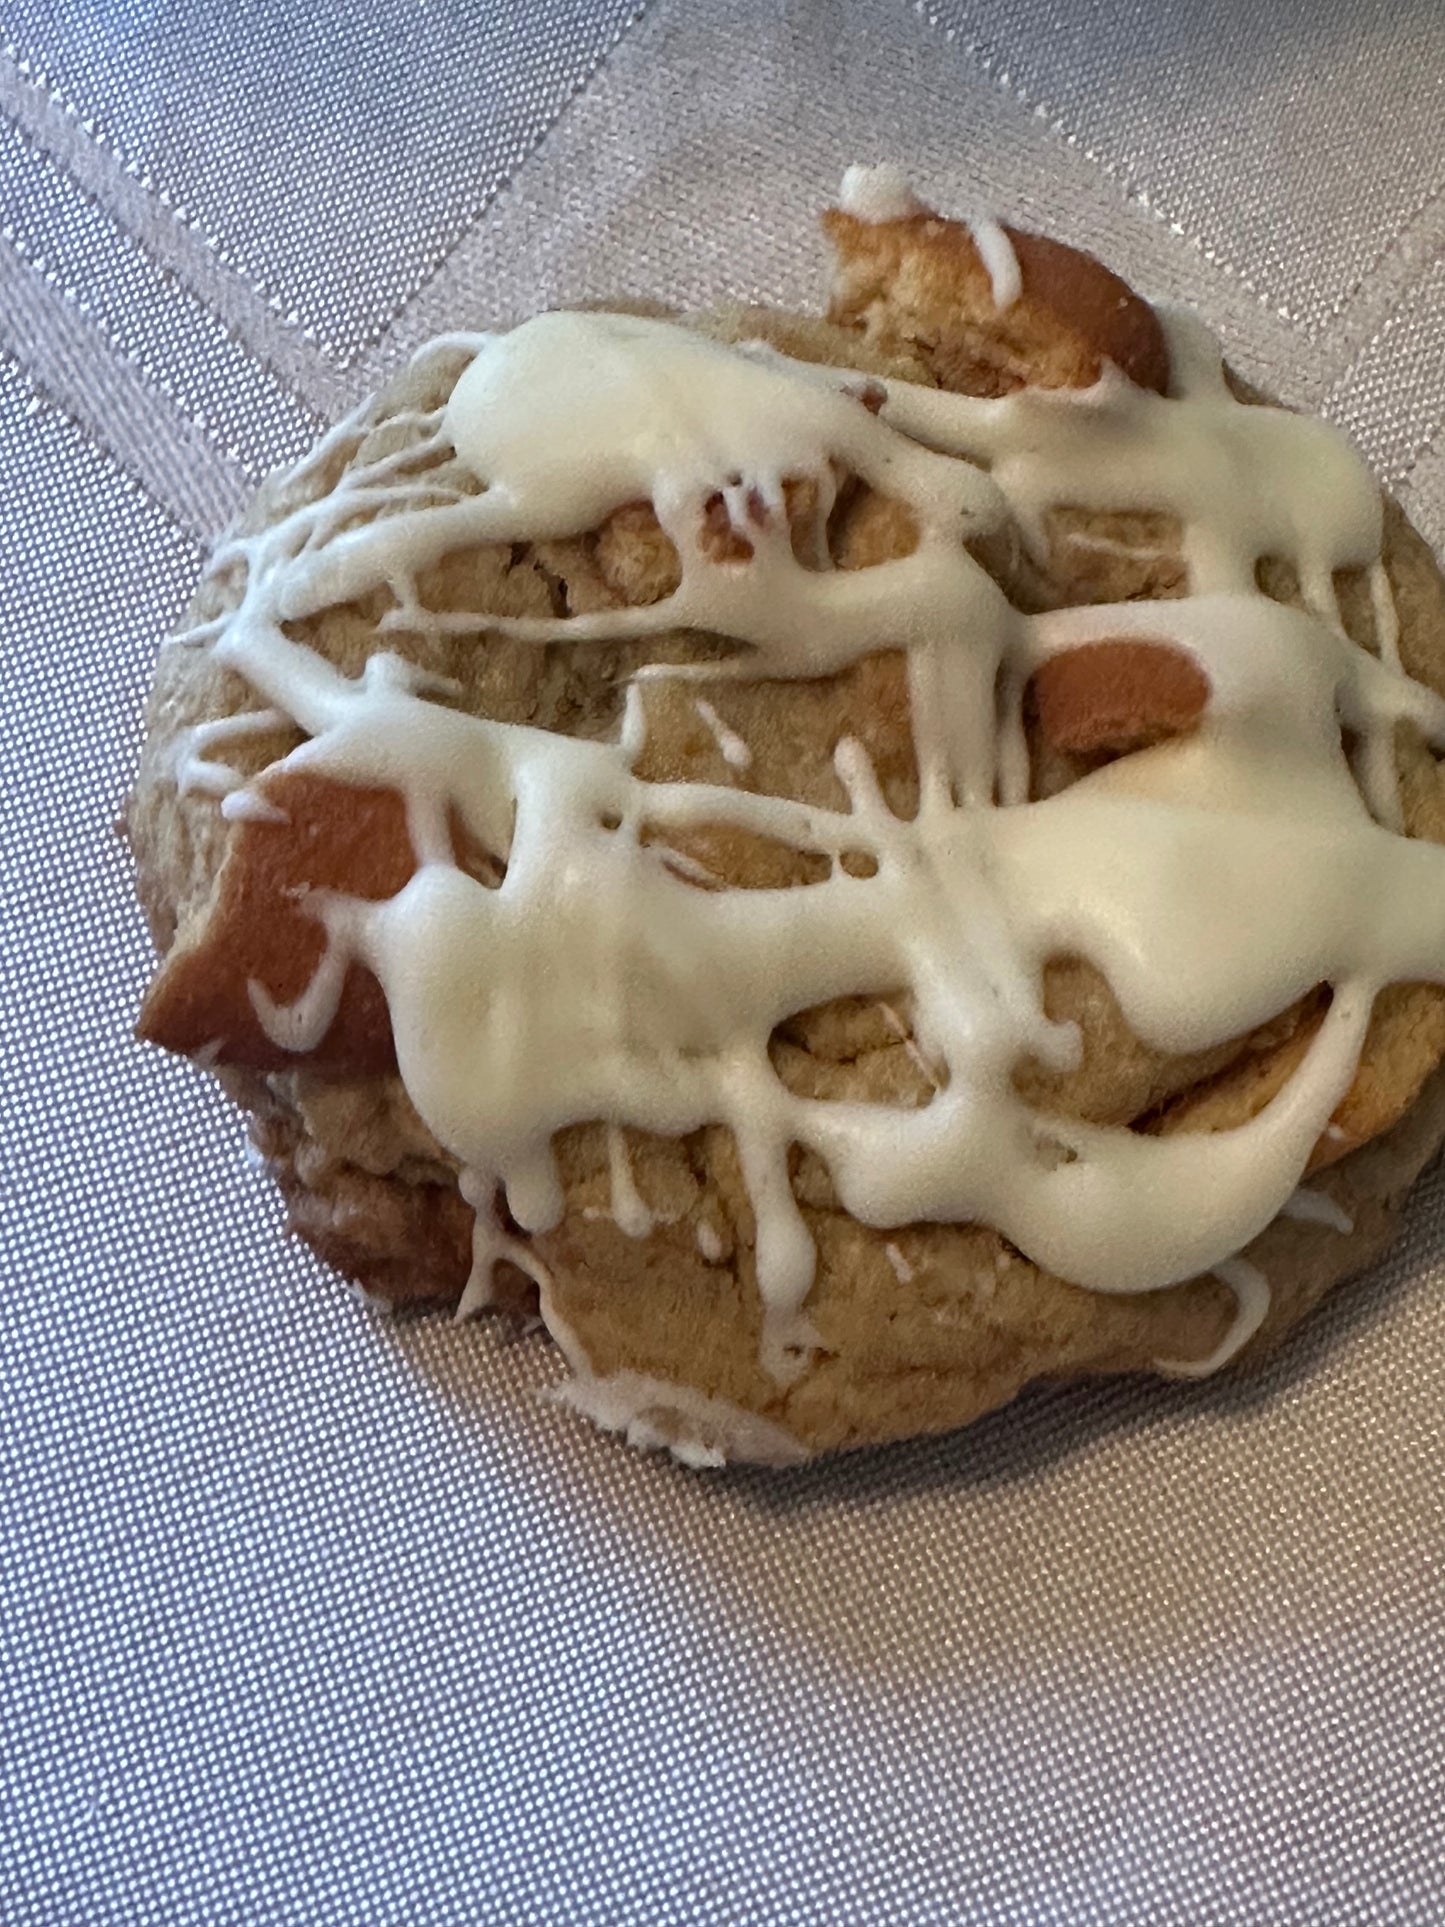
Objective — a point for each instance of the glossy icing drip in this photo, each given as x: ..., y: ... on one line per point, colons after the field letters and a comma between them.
x: 996, y: 251
x: 879, y: 193
x: 882, y: 193
x: 1212, y: 879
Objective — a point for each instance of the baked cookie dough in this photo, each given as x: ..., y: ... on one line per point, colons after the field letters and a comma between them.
x: 850, y: 864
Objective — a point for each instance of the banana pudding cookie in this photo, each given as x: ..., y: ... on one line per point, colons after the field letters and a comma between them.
x: 849, y: 864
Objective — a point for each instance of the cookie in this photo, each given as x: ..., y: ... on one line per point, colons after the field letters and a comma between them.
x: 849, y: 864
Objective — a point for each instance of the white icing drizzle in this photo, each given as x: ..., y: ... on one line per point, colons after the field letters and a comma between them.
x: 491, y: 1243
x: 1387, y: 620
x: 902, y: 1270
x: 1214, y: 879
x: 1241, y: 489
x: 1251, y: 1294
x: 879, y: 193
x: 653, y: 1414
x: 996, y: 252
x: 1109, y: 545
x: 629, y: 1212
x: 656, y: 1415
x: 910, y: 1046
x: 691, y: 871
x: 731, y: 747
x: 196, y: 771
x: 1308, y: 1206
x: 883, y: 193
x: 249, y: 806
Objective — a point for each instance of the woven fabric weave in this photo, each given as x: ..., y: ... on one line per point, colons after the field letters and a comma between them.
x: 311, y: 1616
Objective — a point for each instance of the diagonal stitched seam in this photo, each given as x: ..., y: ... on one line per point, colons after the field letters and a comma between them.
x: 34, y: 74
x: 125, y: 204
x: 134, y: 358
x: 43, y: 400
x: 1397, y: 319
x: 987, y: 62
x: 1427, y: 448
x: 73, y: 366
x: 430, y: 268
x: 1429, y: 250
x: 123, y: 237
x: 387, y: 331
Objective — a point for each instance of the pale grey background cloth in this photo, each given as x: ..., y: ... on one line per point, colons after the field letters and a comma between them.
x: 308, y: 1616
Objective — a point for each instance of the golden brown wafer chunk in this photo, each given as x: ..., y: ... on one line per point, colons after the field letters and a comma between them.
x: 920, y: 284
x: 260, y: 931
x: 1117, y: 696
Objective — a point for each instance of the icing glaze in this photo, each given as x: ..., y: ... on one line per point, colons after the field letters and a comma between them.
x: 996, y: 251
x: 1213, y: 879
x: 902, y: 1270
x: 654, y: 1414
x: 1317, y: 1207
x: 731, y: 747
x: 879, y: 193
x: 883, y: 193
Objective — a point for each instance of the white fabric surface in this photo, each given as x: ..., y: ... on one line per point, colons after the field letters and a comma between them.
x: 310, y: 1616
